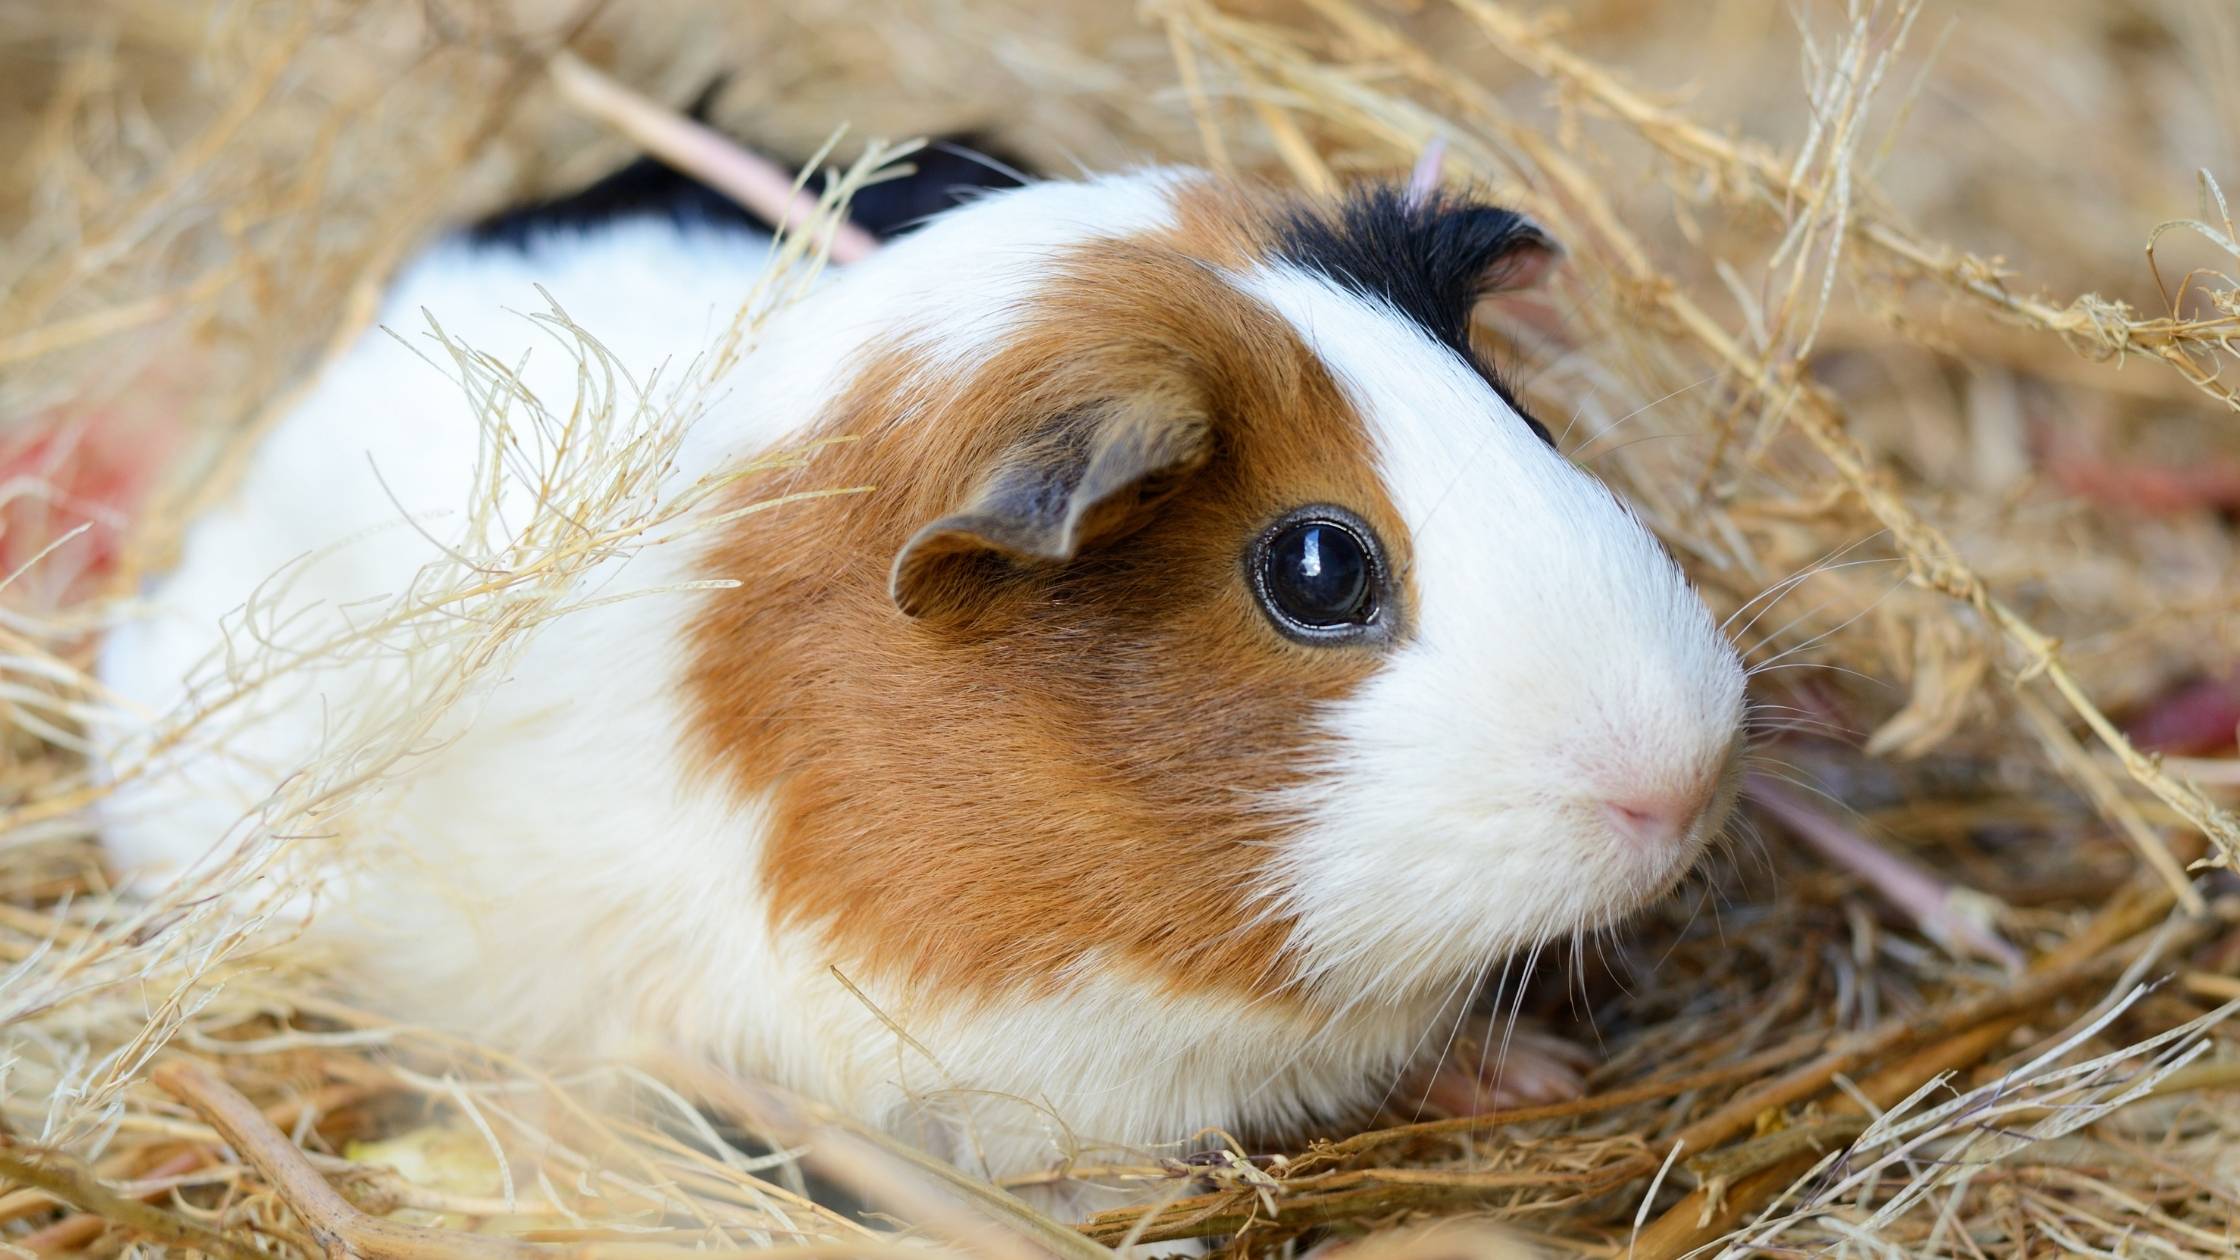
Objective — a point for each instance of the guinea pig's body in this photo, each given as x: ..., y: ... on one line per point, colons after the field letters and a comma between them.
x: 1220, y: 675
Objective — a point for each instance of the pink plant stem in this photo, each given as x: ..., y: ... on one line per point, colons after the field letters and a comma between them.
x: 755, y: 183
x: 1930, y: 902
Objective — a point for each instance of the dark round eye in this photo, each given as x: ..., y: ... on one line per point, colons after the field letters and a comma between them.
x: 1317, y: 574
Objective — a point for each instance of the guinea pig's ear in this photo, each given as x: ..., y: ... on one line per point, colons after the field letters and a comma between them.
x: 1526, y: 258
x: 1521, y: 253
x: 1089, y: 476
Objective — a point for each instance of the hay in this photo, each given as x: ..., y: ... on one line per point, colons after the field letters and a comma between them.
x: 1924, y: 364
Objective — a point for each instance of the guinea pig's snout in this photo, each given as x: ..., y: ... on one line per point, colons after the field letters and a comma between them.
x: 1659, y: 819
x: 1654, y: 811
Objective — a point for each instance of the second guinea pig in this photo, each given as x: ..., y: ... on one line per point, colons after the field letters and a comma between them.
x: 1220, y: 675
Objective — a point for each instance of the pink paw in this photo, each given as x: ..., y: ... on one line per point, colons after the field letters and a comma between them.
x: 1478, y: 1074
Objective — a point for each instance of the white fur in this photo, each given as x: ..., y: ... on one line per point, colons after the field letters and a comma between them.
x: 565, y: 883
x: 1558, y: 660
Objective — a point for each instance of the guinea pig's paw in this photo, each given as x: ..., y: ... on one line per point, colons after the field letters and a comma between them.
x: 1484, y: 1071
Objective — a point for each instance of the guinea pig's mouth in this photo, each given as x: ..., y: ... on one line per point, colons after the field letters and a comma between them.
x: 1659, y: 845
x: 1658, y: 812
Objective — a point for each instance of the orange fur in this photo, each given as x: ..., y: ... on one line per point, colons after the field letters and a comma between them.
x: 976, y: 804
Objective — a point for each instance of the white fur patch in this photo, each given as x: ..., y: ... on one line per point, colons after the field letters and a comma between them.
x: 956, y: 288
x: 1557, y: 659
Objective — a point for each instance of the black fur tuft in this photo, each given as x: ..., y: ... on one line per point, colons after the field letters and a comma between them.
x: 946, y: 171
x: 1431, y: 259
x: 646, y: 188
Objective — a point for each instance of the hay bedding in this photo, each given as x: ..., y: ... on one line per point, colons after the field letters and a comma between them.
x: 1856, y: 293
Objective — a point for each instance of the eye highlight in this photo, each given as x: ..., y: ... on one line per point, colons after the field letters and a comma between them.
x: 1319, y: 574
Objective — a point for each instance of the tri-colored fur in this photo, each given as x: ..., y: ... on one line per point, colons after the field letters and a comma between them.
x: 1068, y: 769
x: 1004, y: 753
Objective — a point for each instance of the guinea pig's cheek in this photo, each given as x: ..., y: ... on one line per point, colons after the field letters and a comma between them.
x: 1437, y: 835
x: 1410, y: 847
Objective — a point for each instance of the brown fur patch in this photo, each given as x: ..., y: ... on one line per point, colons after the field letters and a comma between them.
x: 1229, y: 222
x: 976, y: 806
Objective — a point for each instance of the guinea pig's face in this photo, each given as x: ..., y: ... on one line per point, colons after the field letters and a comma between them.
x: 1552, y: 731
x: 1219, y: 614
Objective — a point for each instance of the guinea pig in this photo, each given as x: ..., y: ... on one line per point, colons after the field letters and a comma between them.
x: 1220, y: 674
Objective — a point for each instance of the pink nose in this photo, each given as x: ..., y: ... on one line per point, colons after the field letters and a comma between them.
x: 1654, y: 820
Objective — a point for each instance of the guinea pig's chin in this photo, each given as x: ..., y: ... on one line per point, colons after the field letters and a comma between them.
x: 1654, y: 875
x: 1619, y: 878
x: 1399, y: 913
x: 1639, y: 876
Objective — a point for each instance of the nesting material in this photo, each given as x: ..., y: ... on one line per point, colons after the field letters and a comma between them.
x: 1913, y: 329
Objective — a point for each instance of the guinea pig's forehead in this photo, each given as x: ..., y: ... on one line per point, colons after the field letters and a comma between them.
x: 1424, y: 406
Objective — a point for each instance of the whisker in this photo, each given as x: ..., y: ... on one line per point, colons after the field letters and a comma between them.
x: 1468, y: 986
x: 1643, y: 409
x: 1516, y: 1010
x: 1486, y: 1056
x: 1798, y: 777
x: 1795, y: 726
x: 1836, y: 629
x: 1838, y: 669
x: 1460, y: 471
x: 1682, y: 934
x: 1825, y: 564
x: 1649, y: 437
x: 1585, y: 1009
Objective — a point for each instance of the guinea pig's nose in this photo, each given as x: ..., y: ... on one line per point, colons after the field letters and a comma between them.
x: 1656, y: 819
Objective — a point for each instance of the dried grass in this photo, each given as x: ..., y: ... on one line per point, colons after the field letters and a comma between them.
x: 1924, y: 363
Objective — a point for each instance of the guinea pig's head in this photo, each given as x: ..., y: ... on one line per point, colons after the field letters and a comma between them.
x: 1216, y: 613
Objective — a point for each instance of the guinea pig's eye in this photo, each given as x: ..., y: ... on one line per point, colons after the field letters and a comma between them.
x: 1319, y: 575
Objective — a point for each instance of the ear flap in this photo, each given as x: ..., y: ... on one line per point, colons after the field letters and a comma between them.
x: 1091, y: 475
x: 1520, y: 258
x: 1530, y: 255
